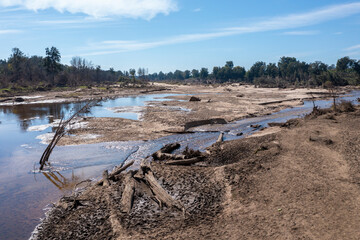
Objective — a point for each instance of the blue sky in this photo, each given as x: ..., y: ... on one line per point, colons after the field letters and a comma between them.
x: 182, y: 34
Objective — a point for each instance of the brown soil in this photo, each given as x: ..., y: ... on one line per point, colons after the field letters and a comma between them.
x: 158, y: 119
x: 300, y: 183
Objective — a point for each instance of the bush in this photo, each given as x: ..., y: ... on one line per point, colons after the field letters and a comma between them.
x: 345, y: 106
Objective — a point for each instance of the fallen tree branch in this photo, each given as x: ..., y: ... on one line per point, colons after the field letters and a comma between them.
x: 165, y: 151
x: 160, y: 193
x: 220, y: 138
x: 127, y: 197
x: 116, y: 172
x: 59, y: 133
x: 185, y: 161
x: 106, y: 181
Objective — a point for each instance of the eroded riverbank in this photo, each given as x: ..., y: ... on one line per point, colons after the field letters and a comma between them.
x: 300, y: 182
x: 77, y: 163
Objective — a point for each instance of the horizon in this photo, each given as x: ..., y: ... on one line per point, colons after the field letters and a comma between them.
x: 169, y: 35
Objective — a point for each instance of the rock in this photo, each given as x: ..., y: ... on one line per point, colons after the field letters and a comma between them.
x: 240, y: 95
x: 194, y: 99
x: 255, y: 126
x: 239, y: 134
x: 19, y: 99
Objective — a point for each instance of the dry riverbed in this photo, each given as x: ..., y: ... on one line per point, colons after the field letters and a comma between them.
x: 159, y: 118
x: 301, y: 182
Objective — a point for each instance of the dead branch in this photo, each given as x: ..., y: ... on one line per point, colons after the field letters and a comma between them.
x: 106, y: 178
x: 165, y: 151
x: 127, y: 197
x: 185, y: 161
x: 160, y: 193
x: 220, y: 138
x: 116, y: 172
x: 59, y: 133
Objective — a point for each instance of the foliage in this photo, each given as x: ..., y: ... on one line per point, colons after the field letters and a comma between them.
x: 20, y: 71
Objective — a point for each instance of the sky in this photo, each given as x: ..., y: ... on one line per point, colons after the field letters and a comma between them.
x: 166, y: 35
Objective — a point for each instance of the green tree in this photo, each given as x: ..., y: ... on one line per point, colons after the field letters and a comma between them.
x: 257, y: 70
x: 344, y: 63
x: 187, y: 74
x: 132, y: 73
x: 178, y: 75
x: 238, y: 73
x: 204, y: 73
x: 52, y: 62
x: 229, y: 64
x: 272, y: 70
x: 195, y: 73
x: 15, y: 63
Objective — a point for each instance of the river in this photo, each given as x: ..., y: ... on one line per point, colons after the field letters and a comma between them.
x: 25, y: 193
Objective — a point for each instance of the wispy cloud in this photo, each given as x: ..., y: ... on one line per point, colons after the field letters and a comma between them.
x: 146, y: 9
x: 9, y: 31
x: 301, y: 33
x: 352, y: 48
x: 197, y: 10
x: 72, y: 21
x: 292, y: 21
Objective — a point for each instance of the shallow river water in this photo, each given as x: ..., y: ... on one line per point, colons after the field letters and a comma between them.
x: 25, y: 193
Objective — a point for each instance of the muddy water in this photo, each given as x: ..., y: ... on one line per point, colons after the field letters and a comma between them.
x: 24, y: 193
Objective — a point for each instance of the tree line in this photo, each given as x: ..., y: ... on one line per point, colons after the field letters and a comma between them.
x: 21, y: 71
x: 287, y: 72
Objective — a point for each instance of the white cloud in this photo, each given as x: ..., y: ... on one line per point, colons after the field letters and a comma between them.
x: 353, y: 48
x: 72, y: 21
x: 9, y: 31
x: 146, y: 9
x: 305, y: 19
x: 301, y: 33
x: 197, y: 10
x: 292, y: 21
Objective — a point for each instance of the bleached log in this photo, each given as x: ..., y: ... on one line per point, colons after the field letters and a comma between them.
x: 167, y: 149
x: 116, y: 172
x: 163, y: 197
x: 127, y: 197
x: 185, y: 161
x: 220, y: 138
x: 106, y: 178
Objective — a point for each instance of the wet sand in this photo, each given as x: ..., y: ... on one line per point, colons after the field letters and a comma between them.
x: 301, y: 182
x: 158, y: 119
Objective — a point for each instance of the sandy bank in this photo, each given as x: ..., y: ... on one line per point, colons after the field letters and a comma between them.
x: 301, y: 182
x: 158, y: 119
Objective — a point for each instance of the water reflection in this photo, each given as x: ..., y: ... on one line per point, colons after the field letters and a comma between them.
x: 61, y: 182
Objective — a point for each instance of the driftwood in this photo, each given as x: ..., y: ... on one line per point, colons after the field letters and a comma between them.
x: 127, y: 197
x: 164, y: 156
x: 116, y: 172
x: 185, y: 161
x: 161, y: 195
x: 59, y: 133
x: 204, y: 122
x: 106, y: 178
x: 165, y: 151
x: 220, y: 138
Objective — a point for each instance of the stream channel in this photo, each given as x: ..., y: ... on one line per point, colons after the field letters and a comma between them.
x: 25, y: 193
